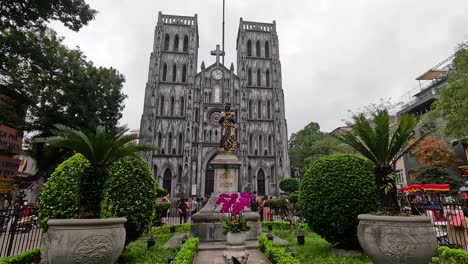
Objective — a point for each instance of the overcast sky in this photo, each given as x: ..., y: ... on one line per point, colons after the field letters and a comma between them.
x: 336, y: 55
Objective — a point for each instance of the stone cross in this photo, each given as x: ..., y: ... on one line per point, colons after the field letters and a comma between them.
x: 217, y: 53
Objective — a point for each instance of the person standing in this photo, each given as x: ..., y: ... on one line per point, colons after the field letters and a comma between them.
x: 194, y: 205
x: 182, y: 211
x: 266, y: 210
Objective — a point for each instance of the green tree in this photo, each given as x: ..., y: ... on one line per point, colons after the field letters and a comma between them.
x: 440, y: 176
x: 309, y: 144
x: 374, y: 139
x: 101, y: 149
x: 452, y: 104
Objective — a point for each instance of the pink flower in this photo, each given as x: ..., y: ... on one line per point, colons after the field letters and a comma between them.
x: 220, y: 200
x: 225, y: 208
x: 225, y: 195
x: 246, y: 195
x: 244, y: 201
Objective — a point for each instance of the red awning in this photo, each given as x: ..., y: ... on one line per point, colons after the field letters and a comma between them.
x: 425, y: 187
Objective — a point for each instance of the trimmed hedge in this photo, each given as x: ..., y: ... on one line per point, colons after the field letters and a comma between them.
x: 181, y: 228
x: 59, y: 195
x: 446, y: 255
x: 160, y: 212
x: 277, y: 203
x: 130, y: 192
x: 27, y: 257
x: 187, y: 251
x: 334, y: 191
x: 289, y: 185
x: 274, y: 252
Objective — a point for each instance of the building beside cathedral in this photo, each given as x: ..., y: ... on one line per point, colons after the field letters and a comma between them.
x: 182, y: 107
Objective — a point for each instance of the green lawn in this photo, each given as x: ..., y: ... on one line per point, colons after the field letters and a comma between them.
x: 316, y: 250
x: 137, y: 253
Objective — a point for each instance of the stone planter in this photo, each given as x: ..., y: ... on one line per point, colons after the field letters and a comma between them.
x: 235, y: 239
x: 397, y: 239
x: 83, y: 241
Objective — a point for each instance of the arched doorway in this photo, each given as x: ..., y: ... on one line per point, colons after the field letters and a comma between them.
x: 167, y: 180
x: 260, y: 182
x: 209, y: 178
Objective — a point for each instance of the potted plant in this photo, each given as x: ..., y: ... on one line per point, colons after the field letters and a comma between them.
x: 89, y: 238
x: 235, y: 224
x: 388, y: 237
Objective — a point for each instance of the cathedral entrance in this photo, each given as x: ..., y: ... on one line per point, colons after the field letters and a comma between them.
x: 209, y: 178
x: 167, y: 180
x: 261, y: 182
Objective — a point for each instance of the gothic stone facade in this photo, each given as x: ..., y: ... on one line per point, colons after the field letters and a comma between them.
x: 182, y: 107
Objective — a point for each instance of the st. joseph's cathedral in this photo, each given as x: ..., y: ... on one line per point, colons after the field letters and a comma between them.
x: 182, y: 107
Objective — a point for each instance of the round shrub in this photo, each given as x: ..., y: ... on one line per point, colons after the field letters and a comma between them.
x: 160, y: 212
x: 59, y: 195
x: 334, y: 191
x: 130, y: 192
x: 276, y: 204
x: 289, y: 185
x: 161, y: 192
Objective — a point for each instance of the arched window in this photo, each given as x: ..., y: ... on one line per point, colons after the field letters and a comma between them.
x: 270, y: 146
x: 166, y: 42
x: 249, y: 77
x: 181, y: 144
x: 272, y: 172
x: 167, y: 180
x: 267, y: 75
x: 250, y: 109
x: 169, y: 143
x: 185, y: 48
x: 184, y: 73
x: 174, y: 73
x: 261, y: 182
x: 196, y: 115
x: 268, y: 109
x: 172, y: 106
x: 249, y: 173
x: 259, y: 78
x: 164, y: 72
x: 161, y: 105
x: 211, y: 135
x: 176, y: 43
x: 217, y: 94
x: 259, y: 110
x: 267, y: 49
x: 159, y: 140
x: 182, y: 106
x: 257, y: 49
x: 260, y: 143
x: 249, y: 48
x: 250, y: 144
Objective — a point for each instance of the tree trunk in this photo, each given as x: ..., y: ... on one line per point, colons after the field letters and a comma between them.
x: 388, y: 202
x: 90, y: 194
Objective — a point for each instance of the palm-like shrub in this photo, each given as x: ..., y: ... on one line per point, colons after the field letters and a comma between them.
x: 101, y: 149
x: 383, y: 146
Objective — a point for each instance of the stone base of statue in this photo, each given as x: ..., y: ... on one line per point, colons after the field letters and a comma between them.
x: 206, y: 224
x: 235, y: 254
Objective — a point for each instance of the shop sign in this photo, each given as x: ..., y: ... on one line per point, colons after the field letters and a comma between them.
x: 9, y: 166
x: 463, y: 171
x: 6, y: 184
x: 10, y: 140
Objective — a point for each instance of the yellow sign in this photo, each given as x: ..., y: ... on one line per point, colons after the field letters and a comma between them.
x: 6, y: 184
x: 10, y: 140
x: 226, y: 176
x: 9, y: 166
x: 225, y: 184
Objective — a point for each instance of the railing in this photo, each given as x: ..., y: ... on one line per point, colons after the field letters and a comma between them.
x: 448, y: 219
x: 257, y: 26
x: 178, y: 20
x: 19, y: 231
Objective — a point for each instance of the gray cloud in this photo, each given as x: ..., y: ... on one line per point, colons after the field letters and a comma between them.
x: 336, y: 55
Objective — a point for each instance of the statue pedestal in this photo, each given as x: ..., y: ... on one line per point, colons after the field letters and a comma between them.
x: 206, y: 224
x: 235, y: 254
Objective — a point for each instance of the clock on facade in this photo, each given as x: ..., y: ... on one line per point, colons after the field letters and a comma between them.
x: 217, y: 74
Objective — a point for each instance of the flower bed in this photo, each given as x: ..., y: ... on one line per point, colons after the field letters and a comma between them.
x: 275, y: 253
x: 27, y: 257
x: 187, y: 252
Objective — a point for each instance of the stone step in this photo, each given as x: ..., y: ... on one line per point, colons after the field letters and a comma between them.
x: 216, y: 257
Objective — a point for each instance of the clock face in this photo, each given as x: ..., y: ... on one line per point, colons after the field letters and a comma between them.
x: 217, y: 74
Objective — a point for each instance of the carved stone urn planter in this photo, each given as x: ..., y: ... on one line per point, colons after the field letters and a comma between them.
x: 83, y: 241
x: 397, y: 239
x: 235, y: 239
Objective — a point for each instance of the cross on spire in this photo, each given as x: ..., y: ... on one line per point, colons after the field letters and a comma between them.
x: 217, y: 53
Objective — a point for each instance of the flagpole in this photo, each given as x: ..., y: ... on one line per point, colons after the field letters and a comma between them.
x: 223, y: 33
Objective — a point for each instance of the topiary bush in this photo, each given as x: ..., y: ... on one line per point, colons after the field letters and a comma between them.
x: 289, y: 185
x: 59, y: 195
x: 130, y: 192
x: 334, y: 191
x: 187, y: 252
x: 160, y: 212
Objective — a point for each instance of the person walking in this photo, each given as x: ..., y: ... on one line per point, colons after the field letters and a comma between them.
x: 182, y: 211
x: 266, y: 210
